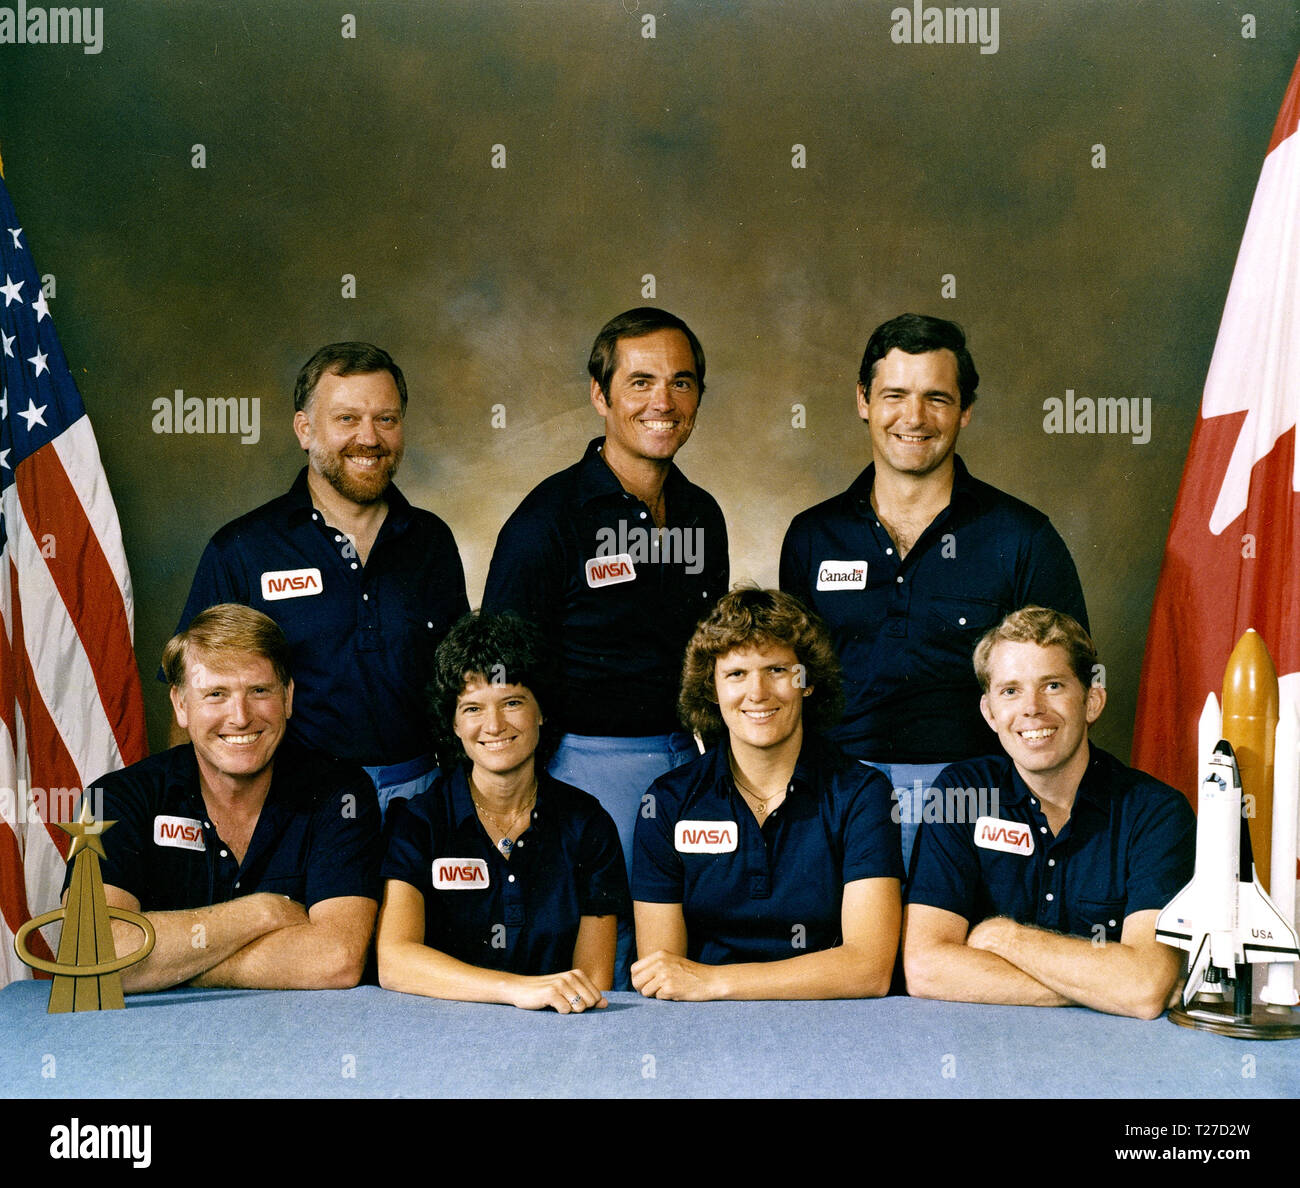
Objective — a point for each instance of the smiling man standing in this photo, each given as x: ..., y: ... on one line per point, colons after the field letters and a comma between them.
x: 364, y: 585
x: 916, y: 560
x: 617, y: 558
x: 256, y: 861
x: 1051, y: 897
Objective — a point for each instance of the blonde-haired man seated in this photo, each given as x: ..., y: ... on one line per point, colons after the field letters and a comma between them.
x: 257, y: 863
x: 1047, y: 894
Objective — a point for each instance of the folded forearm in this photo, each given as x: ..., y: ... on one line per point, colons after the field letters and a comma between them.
x: 300, y: 957
x: 188, y: 943
x: 959, y: 973
x: 1112, y: 977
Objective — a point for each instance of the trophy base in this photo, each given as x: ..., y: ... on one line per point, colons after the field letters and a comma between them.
x: 1263, y: 1022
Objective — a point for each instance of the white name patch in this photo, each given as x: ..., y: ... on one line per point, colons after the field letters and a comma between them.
x: 993, y: 833
x: 290, y: 583
x: 842, y: 575
x: 705, y: 837
x: 460, y: 874
x: 184, y: 833
x: 609, y: 571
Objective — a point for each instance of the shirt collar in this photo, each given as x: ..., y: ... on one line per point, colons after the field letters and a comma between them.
x: 964, y: 487
x: 300, y: 506
x: 597, y: 481
x: 465, y: 815
x: 1093, y: 790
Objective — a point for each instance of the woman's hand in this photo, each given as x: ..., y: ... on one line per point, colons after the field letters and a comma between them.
x: 570, y: 993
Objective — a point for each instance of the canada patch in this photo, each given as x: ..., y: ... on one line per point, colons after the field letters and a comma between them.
x: 842, y: 575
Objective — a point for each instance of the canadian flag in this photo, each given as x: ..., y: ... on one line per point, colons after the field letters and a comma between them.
x: 1232, y: 560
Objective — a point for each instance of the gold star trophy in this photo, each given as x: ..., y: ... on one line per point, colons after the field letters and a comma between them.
x: 87, y: 973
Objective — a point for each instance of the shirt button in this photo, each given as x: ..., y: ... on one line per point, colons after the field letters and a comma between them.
x: 365, y: 597
x: 207, y: 824
x: 510, y: 879
x: 224, y: 854
x: 236, y: 886
x: 643, y: 515
x: 429, y: 624
x: 889, y: 552
x: 1050, y: 897
x: 899, y: 579
x: 1111, y: 923
x: 519, y: 845
x: 354, y: 565
x: 314, y: 516
x: 338, y: 538
x: 1051, y: 862
x: 962, y: 621
x: 1042, y: 829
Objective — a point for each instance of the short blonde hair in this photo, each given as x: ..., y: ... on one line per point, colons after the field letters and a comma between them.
x: 1046, y: 628
x: 229, y: 628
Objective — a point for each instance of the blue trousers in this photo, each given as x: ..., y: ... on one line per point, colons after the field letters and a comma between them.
x: 617, y: 772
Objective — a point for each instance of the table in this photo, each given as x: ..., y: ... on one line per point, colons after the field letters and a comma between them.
x: 374, y: 1043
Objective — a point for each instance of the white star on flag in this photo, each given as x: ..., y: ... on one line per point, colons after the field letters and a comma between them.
x: 33, y: 415
x: 8, y: 343
x: 10, y: 290
x: 42, y: 310
x: 38, y: 361
x: 4, y: 459
x: 16, y: 232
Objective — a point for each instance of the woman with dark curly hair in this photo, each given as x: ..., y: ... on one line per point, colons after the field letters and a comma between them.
x: 501, y: 884
x: 771, y: 866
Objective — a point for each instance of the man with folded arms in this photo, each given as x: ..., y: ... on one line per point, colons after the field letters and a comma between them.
x: 1050, y: 898
x: 255, y: 860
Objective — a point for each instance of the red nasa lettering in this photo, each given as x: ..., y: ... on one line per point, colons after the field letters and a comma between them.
x: 461, y: 874
x: 179, y: 831
x: 610, y: 569
x: 1008, y: 834
x: 705, y: 837
x: 279, y: 585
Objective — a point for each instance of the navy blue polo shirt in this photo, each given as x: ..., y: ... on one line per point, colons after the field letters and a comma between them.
x: 581, y: 558
x: 317, y: 837
x: 762, y: 893
x: 522, y: 915
x: 1129, y: 846
x: 905, y: 630
x: 363, y: 637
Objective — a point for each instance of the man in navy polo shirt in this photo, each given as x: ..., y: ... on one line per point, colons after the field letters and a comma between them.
x: 256, y: 861
x: 617, y: 558
x: 364, y: 585
x: 916, y: 560
x: 1045, y: 891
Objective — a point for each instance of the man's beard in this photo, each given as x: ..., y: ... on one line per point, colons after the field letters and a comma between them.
x: 359, y: 488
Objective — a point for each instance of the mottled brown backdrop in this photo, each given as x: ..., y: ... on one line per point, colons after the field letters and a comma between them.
x: 625, y: 155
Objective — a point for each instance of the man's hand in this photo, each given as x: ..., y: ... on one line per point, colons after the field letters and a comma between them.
x: 668, y: 975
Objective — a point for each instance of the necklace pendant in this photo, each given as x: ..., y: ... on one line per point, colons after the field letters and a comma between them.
x: 505, y: 845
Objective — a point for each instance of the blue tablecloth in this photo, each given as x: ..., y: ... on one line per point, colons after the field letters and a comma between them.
x: 372, y: 1043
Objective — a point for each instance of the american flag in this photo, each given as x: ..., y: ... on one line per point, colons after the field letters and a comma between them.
x: 70, y: 703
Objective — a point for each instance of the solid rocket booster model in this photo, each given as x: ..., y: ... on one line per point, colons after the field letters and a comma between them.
x: 1223, y: 917
x: 1250, y: 718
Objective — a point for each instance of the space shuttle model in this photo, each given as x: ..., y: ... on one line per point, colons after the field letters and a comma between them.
x: 1224, y: 917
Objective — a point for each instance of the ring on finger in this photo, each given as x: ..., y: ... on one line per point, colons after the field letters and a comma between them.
x: 575, y: 1002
